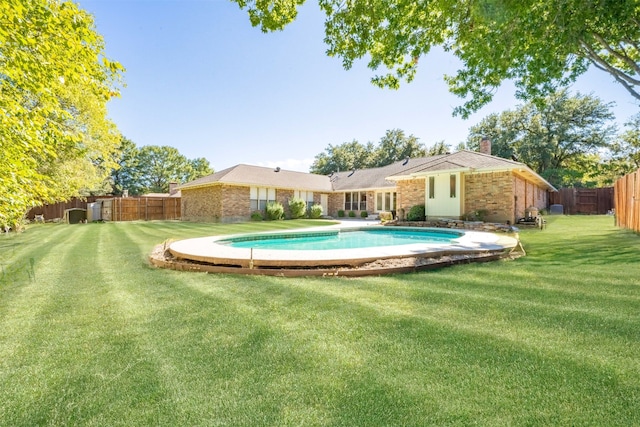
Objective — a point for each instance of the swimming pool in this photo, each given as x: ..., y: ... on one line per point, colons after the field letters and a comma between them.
x: 419, y: 243
x: 345, y: 239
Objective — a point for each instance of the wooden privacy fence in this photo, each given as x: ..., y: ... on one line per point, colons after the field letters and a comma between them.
x: 628, y: 201
x: 56, y: 210
x: 142, y: 208
x: 117, y: 208
x: 591, y: 201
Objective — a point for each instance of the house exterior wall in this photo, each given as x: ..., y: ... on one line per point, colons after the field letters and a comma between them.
x: 283, y: 197
x: 505, y: 196
x: 202, y: 204
x: 236, y: 204
x: 491, y: 192
x: 219, y: 203
x: 336, y: 203
x: 229, y: 203
x: 528, y: 195
x: 409, y: 193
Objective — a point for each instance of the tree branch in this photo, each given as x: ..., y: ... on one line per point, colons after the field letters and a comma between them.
x: 597, y: 59
x: 623, y: 57
x: 626, y: 85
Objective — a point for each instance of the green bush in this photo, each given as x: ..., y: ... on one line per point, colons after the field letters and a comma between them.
x: 340, y: 213
x: 416, y: 213
x: 352, y: 214
x: 257, y: 216
x: 297, y: 207
x: 315, y: 212
x: 364, y: 214
x: 275, y: 211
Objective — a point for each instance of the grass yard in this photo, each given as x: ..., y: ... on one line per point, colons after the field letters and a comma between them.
x: 91, y: 335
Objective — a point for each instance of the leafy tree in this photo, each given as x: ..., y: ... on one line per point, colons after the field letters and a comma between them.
x: 126, y: 176
x: 395, y: 146
x: 624, y: 156
x: 158, y: 166
x: 561, y: 140
x: 198, y: 167
x: 438, y: 148
x: 55, y: 139
x: 346, y: 156
x: 538, y: 44
x: 150, y: 169
x: 392, y: 147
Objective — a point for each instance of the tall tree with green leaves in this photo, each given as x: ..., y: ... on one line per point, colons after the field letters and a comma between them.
x: 540, y: 45
x: 198, y: 167
x: 624, y: 155
x: 158, y: 166
x: 55, y: 81
x: 561, y: 139
x: 126, y: 175
x: 345, y: 156
x: 438, y: 148
x: 392, y: 147
x: 395, y: 146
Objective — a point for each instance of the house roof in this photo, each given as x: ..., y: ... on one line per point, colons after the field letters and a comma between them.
x: 248, y: 175
x: 366, y: 179
x: 361, y: 179
x: 471, y: 161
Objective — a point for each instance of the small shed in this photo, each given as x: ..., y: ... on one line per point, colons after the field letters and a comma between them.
x: 75, y: 215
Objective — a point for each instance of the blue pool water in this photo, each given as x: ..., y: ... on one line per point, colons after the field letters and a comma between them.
x: 345, y: 239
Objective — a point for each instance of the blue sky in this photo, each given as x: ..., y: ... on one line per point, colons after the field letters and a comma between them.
x: 201, y: 79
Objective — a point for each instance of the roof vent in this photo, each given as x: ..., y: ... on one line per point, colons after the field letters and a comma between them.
x: 277, y: 169
x: 406, y: 160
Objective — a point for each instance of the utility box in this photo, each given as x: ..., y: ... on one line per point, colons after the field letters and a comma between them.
x: 556, y: 210
x: 94, y: 211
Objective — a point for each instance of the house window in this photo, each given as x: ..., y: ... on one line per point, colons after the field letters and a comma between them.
x: 432, y: 187
x: 355, y: 200
x: 260, y: 196
x: 307, y: 196
x: 385, y: 201
x: 452, y: 186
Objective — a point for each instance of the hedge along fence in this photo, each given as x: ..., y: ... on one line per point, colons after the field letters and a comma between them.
x: 627, y: 201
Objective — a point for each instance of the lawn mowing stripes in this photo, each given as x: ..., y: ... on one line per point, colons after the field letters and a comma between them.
x: 548, y: 339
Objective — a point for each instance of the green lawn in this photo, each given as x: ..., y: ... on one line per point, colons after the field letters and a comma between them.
x: 91, y: 335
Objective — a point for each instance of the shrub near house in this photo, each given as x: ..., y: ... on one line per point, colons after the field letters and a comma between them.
x: 297, y: 207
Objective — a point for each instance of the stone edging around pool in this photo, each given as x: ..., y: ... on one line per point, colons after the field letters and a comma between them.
x: 202, y: 254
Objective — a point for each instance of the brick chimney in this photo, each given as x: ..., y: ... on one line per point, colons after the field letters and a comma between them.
x: 172, y: 188
x: 485, y: 145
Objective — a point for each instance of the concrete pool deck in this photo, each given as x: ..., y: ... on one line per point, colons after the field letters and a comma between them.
x: 206, y: 250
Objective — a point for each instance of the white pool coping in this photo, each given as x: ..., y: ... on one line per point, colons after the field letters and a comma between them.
x: 205, y: 249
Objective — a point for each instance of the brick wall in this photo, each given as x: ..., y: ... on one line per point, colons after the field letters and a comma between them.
x: 202, y: 204
x: 236, y: 205
x: 283, y: 197
x: 410, y: 192
x: 492, y: 192
x: 336, y: 202
x: 528, y: 195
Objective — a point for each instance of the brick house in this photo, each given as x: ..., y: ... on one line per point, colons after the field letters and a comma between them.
x: 234, y: 193
x: 449, y: 185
